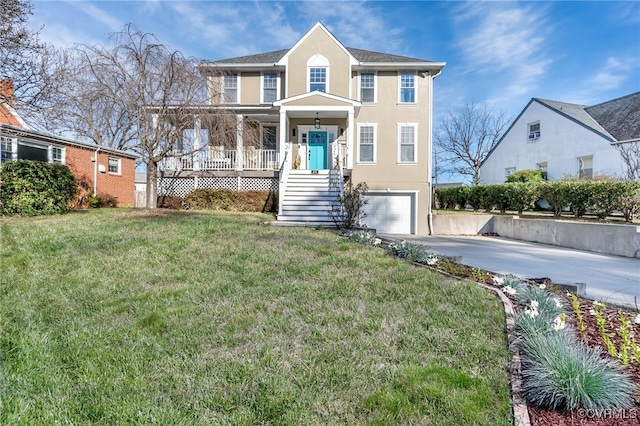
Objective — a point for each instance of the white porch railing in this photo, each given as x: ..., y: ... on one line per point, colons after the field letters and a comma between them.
x: 252, y: 159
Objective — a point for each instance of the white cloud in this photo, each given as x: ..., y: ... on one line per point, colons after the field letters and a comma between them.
x: 507, y: 40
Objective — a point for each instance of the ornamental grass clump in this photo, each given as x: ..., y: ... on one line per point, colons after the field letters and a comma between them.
x: 561, y: 373
x: 413, y: 252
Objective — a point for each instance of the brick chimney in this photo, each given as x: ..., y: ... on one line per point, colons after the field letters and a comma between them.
x: 6, y: 91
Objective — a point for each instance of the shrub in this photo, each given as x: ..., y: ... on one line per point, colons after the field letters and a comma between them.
x: 560, y: 372
x: 226, y: 199
x: 452, y: 197
x: 170, y: 202
x: 413, y: 252
x: 521, y: 196
x: 526, y: 176
x: 31, y: 188
x: 346, y: 210
x: 629, y: 201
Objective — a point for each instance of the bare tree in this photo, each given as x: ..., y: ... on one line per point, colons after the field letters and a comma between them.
x: 136, y: 94
x: 26, y: 62
x: 465, y: 138
x: 630, y: 154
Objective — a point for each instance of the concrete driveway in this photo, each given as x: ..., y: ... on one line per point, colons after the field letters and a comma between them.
x: 611, y: 279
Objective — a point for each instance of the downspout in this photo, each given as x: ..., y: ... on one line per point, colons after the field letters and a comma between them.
x: 430, y: 154
x: 95, y: 172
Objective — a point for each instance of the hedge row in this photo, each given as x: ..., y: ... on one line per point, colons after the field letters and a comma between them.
x: 599, y: 198
x: 223, y: 199
x: 32, y: 188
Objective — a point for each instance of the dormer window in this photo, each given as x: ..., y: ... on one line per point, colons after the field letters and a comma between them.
x: 318, y: 76
x: 534, y: 131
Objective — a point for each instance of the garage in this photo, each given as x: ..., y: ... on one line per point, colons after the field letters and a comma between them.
x: 391, y: 212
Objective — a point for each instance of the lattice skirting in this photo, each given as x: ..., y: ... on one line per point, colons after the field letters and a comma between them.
x: 183, y: 185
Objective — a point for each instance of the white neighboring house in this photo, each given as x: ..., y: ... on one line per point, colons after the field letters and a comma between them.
x: 563, y: 139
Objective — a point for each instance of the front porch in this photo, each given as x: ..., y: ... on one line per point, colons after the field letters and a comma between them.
x: 212, y: 159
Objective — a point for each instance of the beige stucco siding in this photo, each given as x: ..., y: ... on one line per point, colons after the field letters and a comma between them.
x: 339, y: 70
x: 250, y: 88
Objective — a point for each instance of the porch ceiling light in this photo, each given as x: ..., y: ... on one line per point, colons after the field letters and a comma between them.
x: 317, y: 121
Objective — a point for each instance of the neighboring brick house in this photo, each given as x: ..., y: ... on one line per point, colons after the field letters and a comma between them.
x: 310, y: 117
x: 108, y: 172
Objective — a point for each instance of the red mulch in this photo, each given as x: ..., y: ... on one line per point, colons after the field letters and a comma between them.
x: 539, y: 417
x: 592, y: 337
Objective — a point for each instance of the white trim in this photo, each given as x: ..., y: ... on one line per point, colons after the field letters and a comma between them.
x: 285, y: 59
x: 395, y: 192
x: 399, y: 143
x: 223, y: 98
x: 375, y: 87
x: 320, y: 59
x: 262, y: 74
x: 119, y: 171
x: 415, y: 87
x: 375, y: 143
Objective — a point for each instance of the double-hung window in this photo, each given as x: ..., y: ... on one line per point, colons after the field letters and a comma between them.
x: 407, y: 135
x: 318, y: 79
x: 57, y: 155
x: 366, y: 143
x: 269, y: 88
x: 6, y: 149
x: 534, y: 131
x: 407, y: 83
x: 585, y: 167
x: 114, y: 165
x: 230, y: 89
x: 367, y: 88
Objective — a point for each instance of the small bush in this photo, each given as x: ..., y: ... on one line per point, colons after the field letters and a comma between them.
x: 346, y: 210
x: 31, y: 188
x: 226, y: 199
x: 560, y: 372
x: 170, y: 202
x: 526, y: 176
x: 413, y: 252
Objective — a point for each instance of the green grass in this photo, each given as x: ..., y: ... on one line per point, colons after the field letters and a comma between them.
x: 126, y: 317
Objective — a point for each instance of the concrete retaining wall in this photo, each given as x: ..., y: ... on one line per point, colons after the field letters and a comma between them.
x: 620, y: 240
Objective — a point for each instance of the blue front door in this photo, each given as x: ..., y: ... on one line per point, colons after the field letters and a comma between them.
x: 317, y: 150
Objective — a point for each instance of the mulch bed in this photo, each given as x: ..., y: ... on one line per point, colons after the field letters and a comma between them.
x: 540, y: 417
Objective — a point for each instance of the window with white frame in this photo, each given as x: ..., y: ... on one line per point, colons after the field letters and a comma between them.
x: 318, y: 79
x: 534, y: 131
x: 29, y: 150
x: 508, y: 171
x: 114, y: 165
x: 368, y: 88
x: 6, y: 149
x: 367, y: 143
x: 585, y: 167
x: 407, y: 134
x: 230, y: 88
x: 407, y: 84
x: 57, y: 154
x: 269, y: 88
x: 543, y: 169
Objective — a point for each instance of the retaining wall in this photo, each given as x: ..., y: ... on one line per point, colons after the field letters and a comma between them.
x: 620, y: 240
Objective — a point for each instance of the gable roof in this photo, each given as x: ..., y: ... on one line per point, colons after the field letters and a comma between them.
x: 620, y: 117
x: 576, y: 113
x: 276, y: 57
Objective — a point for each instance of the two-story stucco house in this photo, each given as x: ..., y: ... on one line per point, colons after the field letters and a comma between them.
x: 566, y: 140
x: 312, y: 116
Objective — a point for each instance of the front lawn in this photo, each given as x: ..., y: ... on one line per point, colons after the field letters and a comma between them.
x: 131, y: 317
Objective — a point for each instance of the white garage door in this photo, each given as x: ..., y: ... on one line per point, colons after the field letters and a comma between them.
x: 390, y: 213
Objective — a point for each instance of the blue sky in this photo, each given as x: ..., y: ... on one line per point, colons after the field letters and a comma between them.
x: 501, y: 53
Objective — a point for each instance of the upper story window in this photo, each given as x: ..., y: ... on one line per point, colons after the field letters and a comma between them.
x: 269, y: 88
x: 585, y: 167
x: 407, y: 86
x: 368, y: 88
x: 114, y: 165
x: 407, y: 134
x: 318, y: 73
x: 534, y: 131
x: 317, y: 79
x: 366, y: 143
x: 6, y: 149
x: 230, y: 89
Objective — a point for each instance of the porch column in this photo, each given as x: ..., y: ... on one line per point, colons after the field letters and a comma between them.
x: 350, y: 138
x: 282, y: 138
x: 197, y: 144
x: 239, y: 142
